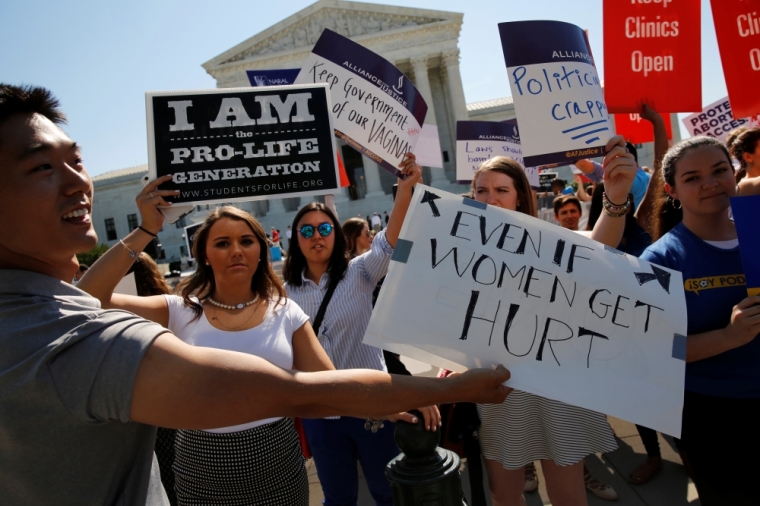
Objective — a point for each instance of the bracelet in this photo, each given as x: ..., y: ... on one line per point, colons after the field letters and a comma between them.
x: 373, y: 425
x: 132, y: 254
x: 615, y: 210
x: 146, y: 231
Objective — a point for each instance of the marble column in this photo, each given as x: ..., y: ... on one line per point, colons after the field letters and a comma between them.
x: 341, y: 195
x: 372, y: 177
x: 420, y: 65
x: 422, y: 82
x: 454, y: 84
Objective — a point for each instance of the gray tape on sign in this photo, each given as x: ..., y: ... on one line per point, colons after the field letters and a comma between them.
x: 474, y: 203
x: 402, y: 251
x: 613, y: 250
x: 679, y: 347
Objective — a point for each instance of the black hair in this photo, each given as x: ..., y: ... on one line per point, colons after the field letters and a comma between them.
x: 295, y: 262
x: 29, y: 100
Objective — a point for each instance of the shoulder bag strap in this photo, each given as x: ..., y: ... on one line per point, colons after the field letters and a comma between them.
x: 323, y: 307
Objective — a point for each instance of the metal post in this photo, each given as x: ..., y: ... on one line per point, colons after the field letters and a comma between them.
x: 424, y: 474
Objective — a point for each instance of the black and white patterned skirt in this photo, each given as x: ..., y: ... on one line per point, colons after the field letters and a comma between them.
x: 262, y: 466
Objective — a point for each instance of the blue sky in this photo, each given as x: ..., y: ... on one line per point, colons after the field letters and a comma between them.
x: 100, y: 56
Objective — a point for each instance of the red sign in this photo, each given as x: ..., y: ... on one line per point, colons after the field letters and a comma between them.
x: 637, y: 130
x: 652, y: 54
x: 737, y: 25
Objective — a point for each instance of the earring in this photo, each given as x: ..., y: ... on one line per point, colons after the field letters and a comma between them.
x: 207, y: 263
x: 672, y: 203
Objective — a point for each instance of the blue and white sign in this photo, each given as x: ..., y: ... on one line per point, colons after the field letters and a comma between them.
x: 478, y: 141
x: 557, y: 93
x: 279, y: 77
x: 376, y: 108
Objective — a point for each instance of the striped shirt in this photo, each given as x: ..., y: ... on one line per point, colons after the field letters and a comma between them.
x: 350, y: 308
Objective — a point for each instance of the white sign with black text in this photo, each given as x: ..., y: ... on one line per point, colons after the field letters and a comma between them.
x: 472, y: 285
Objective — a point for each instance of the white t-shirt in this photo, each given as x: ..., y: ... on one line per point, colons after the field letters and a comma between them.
x: 271, y: 340
x: 376, y: 220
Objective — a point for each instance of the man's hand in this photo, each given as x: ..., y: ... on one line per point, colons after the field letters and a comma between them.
x: 482, y: 386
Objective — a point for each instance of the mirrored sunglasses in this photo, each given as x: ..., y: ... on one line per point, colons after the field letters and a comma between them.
x: 324, y: 229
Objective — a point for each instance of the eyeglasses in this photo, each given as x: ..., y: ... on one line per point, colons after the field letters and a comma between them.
x: 324, y: 229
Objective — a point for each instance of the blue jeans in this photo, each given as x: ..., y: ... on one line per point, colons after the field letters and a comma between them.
x: 337, y: 444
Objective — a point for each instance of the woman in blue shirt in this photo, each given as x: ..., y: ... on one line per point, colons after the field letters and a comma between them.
x: 722, y: 394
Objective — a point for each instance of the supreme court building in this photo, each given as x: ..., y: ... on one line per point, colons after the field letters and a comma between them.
x: 422, y: 43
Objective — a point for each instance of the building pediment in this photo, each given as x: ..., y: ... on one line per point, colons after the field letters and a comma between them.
x: 359, y: 21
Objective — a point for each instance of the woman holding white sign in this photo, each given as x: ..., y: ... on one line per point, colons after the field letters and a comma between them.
x: 526, y: 427
x: 722, y: 351
x: 234, y: 301
x: 336, y: 292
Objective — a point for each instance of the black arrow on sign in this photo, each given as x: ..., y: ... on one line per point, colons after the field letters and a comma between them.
x: 662, y: 277
x: 429, y: 198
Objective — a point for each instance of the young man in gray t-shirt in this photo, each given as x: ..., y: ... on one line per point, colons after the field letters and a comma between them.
x: 82, y: 389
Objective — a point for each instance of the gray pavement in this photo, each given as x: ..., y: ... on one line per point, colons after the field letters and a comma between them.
x: 671, y: 487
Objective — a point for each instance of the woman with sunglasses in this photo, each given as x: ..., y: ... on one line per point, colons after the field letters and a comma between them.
x: 318, y: 262
x: 527, y: 427
x: 233, y: 301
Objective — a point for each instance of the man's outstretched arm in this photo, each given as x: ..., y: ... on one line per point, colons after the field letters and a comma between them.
x: 187, y: 387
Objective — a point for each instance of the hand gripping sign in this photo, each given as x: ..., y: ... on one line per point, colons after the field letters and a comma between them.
x: 472, y: 285
x: 557, y: 94
x: 479, y: 141
x: 376, y: 108
x: 239, y: 144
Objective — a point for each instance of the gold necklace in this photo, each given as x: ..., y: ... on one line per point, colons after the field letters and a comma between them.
x: 234, y: 328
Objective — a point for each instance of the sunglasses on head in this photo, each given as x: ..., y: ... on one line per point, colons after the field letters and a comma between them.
x: 324, y: 229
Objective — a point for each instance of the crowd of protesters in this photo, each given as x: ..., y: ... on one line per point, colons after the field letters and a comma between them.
x: 86, y: 374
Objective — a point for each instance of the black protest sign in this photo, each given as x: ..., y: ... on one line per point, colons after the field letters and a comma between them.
x: 242, y: 143
x: 545, y: 180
